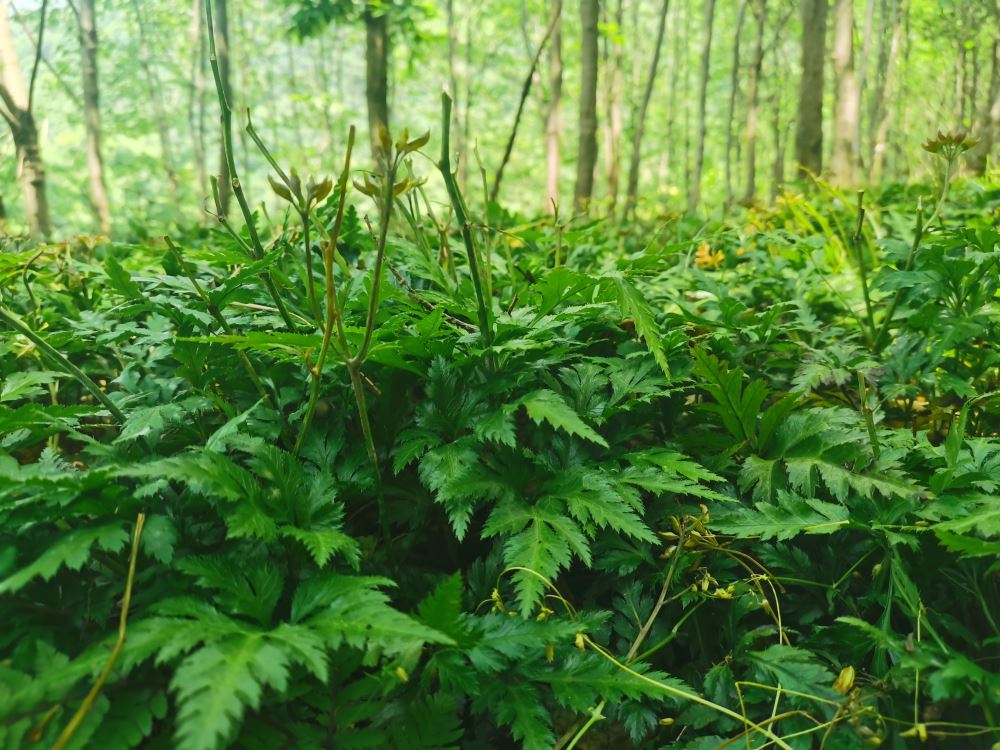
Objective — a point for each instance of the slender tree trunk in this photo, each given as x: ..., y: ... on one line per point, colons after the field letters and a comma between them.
x: 196, y: 99
x: 753, y: 96
x: 376, y: 74
x: 694, y: 196
x: 734, y: 85
x: 222, y: 55
x: 92, y: 115
x: 809, y: 123
x: 16, y: 109
x: 156, y: 98
x: 615, y: 77
x: 989, y: 117
x: 587, y: 146
x: 882, y: 100
x: 843, y: 163
x: 640, y: 118
x: 553, y: 119
x: 867, y: 38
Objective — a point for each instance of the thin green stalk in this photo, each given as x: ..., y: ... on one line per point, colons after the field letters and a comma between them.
x: 332, y: 305
x: 226, y: 116
x: 595, y: 716
x: 383, y: 235
x: 60, y: 360
x: 862, y: 268
x: 310, y: 284
x: 917, y: 236
x: 95, y: 690
x: 366, y: 432
x: 463, y: 219
x: 869, y: 417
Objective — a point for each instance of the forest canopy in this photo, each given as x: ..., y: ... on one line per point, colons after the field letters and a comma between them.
x: 723, y: 99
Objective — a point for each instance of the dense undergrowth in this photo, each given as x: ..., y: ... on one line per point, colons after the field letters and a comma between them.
x: 671, y: 485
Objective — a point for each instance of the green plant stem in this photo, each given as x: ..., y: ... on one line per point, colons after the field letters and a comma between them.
x: 95, y: 690
x: 226, y: 117
x: 60, y: 360
x: 366, y: 432
x: 869, y: 417
x: 310, y: 285
x: 333, y: 317
x: 910, y: 258
x: 444, y: 165
x: 856, y: 240
x: 595, y: 716
x: 383, y: 235
x: 660, y: 601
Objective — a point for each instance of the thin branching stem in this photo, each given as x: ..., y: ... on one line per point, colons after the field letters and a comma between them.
x: 458, y: 205
x: 95, y: 690
x: 333, y: 316
x: 226, y: 117
x: 62, y: 362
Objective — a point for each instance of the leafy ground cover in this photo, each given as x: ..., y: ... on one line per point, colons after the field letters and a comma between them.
x: 315, y: 480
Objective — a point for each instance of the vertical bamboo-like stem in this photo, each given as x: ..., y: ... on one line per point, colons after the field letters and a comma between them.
x: 333, y: 318
x: 862, y: 267
x: 226, y: 117
x: 458, y: 205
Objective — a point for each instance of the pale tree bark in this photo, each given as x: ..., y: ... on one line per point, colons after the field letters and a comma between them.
x: 16, y: 102
x: 553, y: 115
x: 640, y: 116
x: 694, y: 195
x: 156, y: 98
x: 196, y: 97
x: 376, y: 73
x: 87, y: 23
x: 988, y: 126
x: 753, y: 98
x: 881, y: 120
x: 222, y: 56
x: 734, y: 86
x: 867, y: 39
x: 587, y: 145
x: 809, y: 122
x: 615, y: 77
x: 843, y: 161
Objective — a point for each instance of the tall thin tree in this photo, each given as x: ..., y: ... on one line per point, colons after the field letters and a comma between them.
x: 98, y: 192
x: 586, y: 157
x: 694, y: 195
x: 988, y: 126
x: 753, y: 97
x: 809, y: 120
x: 553, y: 114
x: 734, y: 85
x: 156, y: 97
x: 638, y: 126
x: 615, y: 77
x: 843, y: 156
x: 16, y: 107
x: 882, y: 99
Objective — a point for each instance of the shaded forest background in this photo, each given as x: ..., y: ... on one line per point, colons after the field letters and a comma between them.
x: 669, y: 106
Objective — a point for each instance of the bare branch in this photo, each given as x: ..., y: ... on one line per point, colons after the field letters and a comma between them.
x: 38, y: 53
